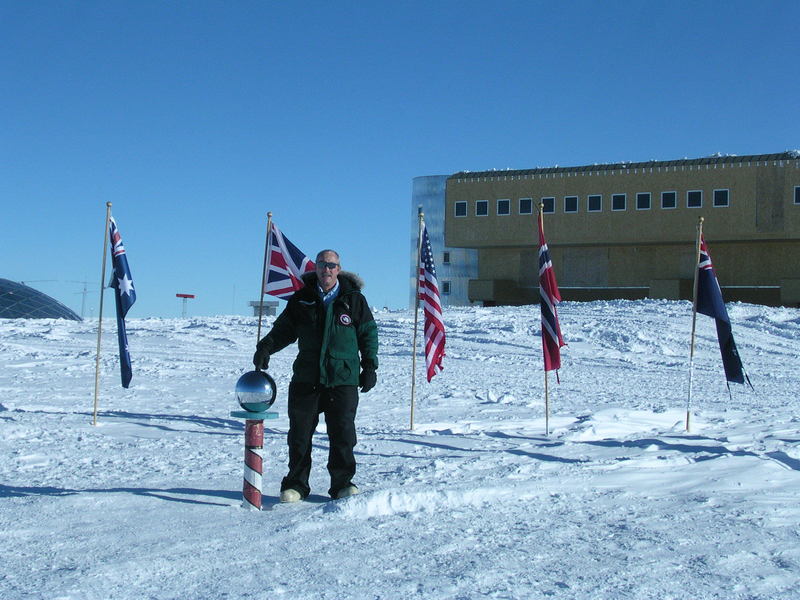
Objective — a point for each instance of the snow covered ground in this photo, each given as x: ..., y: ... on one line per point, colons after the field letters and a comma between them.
x: 617, y: 502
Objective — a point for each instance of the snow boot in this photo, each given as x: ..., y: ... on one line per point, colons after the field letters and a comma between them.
x: 290, y: 495
x: 350, y: 490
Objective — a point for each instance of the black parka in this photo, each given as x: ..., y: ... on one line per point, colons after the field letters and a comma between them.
x: 329, y: 339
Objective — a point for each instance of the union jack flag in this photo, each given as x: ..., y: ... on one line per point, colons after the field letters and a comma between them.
x: 711, y: 304
x: 549, y: 298
x: 285, y: 267
x: 432, y: 307
x: 125, y: 296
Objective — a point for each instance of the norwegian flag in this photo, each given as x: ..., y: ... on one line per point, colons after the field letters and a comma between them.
x: 432, y: 307
x: 124, y: 295
x: 285, y: 267
x: 550, y: 297
x: 710, y: 303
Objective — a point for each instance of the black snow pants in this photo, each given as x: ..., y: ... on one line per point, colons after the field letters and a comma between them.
x: 306, y: 402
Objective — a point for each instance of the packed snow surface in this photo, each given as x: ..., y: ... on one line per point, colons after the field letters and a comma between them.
x: 476, y: 501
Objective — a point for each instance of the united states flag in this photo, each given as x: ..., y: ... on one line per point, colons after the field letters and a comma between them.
x: 550, y: 297
x: 710, y: 303
x: 125, y: 296
x: 285, y: 266
x: 432, y: 307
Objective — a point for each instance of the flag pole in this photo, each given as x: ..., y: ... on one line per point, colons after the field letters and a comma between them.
x: 694, y: 316
x: 264, y: 275
x: 546, y: 407
x: 546, y: 389
x: 100, y: 317
x: 421, y: 217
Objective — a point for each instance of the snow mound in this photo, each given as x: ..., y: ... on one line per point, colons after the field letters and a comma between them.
x: 392, y: 502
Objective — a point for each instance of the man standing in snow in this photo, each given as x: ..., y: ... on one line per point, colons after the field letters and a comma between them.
x: 332, y: 324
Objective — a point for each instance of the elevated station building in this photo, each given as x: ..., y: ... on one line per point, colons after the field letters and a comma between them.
x: 627, y: 230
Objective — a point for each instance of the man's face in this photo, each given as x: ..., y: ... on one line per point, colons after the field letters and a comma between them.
x: 326, y: 273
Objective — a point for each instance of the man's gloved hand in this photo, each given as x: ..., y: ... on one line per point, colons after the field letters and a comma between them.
x: 261, y: 357
x: 368, y: 377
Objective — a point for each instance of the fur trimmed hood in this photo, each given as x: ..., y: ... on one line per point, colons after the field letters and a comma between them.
x: 347, y: 281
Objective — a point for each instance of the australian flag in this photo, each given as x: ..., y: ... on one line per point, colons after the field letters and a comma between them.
x: 710, y: 303
x: 125, y: 296
x: 285, y: 266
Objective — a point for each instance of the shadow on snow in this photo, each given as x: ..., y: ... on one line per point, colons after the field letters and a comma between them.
x: 10, y: 491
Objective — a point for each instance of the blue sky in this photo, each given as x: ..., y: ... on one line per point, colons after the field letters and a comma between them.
x: 196, y: 118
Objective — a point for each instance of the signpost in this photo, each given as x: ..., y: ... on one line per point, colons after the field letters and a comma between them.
x: 185, y: 298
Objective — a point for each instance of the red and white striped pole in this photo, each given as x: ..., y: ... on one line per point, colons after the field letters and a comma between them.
x: 253, y: 456
x: 253, y: 463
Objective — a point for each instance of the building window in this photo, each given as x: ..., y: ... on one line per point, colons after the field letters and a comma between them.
x: 570, y: 204
x: 446, y: 258
x: 722, y: 198
x: 669, y: 199
x: 549, y: 205
x: 481, y: 208
x: 445, y: 288
x: 618, y: 201
x: 526, y: 206
x: 694, y: 199
x: 797, y: 194
x: 595, y: 203
x: 643, y: 201
x: 461, y: 208
x: 504, y: 207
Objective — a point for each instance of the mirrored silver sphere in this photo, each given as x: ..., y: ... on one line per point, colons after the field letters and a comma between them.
x: 255, y: 391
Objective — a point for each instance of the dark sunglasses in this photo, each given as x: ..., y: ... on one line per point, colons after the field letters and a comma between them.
x: 323, y: 264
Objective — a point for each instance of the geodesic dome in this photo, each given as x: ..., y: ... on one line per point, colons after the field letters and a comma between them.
x: 18, y: 301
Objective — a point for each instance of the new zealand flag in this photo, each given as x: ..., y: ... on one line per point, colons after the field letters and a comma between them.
x: 125, y: 296
x: 710, y: 303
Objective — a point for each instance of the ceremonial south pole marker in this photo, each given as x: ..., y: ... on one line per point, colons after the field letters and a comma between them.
x: 255, y: 392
